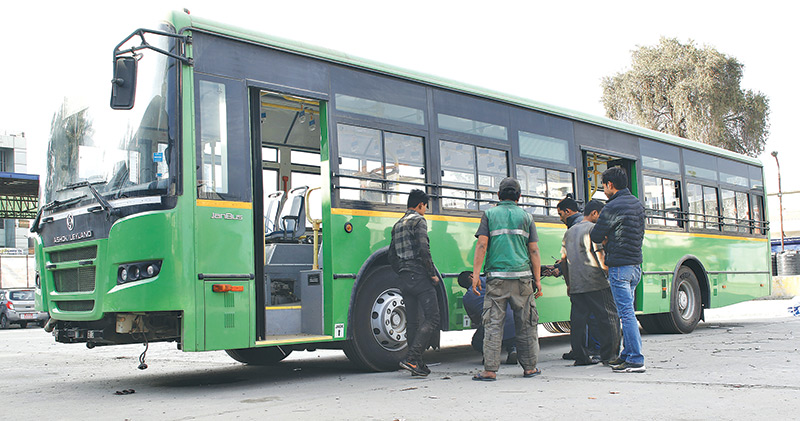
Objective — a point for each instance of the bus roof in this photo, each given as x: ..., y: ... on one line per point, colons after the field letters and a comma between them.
x: 181, y: 19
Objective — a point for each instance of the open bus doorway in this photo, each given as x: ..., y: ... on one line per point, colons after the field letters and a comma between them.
x: 290, y: 292
x: 594, y: 163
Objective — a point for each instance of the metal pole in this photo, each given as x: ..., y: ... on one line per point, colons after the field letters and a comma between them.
x: 780, y: 195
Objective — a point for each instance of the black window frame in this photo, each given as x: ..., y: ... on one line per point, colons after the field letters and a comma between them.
x: 365, y: 122
x: 239, y: 161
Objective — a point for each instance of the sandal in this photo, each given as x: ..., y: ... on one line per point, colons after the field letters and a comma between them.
x: 533, y: 373
x: 481, y: 378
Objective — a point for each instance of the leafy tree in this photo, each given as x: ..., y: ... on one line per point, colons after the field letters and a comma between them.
x: 689, y: 92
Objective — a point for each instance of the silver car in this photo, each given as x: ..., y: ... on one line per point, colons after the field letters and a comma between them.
x: 17, y: 307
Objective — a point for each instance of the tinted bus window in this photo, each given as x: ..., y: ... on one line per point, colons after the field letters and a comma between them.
x: 658, y: 156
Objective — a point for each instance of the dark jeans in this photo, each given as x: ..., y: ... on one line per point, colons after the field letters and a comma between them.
x: 604, y: 325
x: 422, y: 312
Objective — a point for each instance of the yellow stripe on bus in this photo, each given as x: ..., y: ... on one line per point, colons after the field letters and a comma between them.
x: 284, y: 308
x: 224, y: 204
x: 446, y: 218
x: 695, y: 234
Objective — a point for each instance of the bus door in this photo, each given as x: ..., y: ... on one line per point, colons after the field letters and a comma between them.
x: 289, y: 289
x: 594, y: 163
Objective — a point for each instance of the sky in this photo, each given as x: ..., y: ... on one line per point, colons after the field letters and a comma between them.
x: 551, y: 52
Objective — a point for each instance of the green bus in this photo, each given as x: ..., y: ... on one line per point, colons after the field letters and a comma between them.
x: 240, y: 195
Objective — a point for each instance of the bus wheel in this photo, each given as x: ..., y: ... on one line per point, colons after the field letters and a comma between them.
x: 260, y: 356
x: 685, y: 305
x: 650, y: 323
x: 379, y: 323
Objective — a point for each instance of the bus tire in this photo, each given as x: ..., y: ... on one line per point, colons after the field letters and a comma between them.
x: 685, y: 304
x: 551, y: 327
x: 260, y: 356
x: 650, y: 323
x: 564, y: 327
x: 378, y: 325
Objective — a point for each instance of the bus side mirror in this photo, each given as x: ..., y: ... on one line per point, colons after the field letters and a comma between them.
x: 123, y: 85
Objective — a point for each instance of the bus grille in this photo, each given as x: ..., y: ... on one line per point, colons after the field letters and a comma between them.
x: 72, y: 255
x: 85, y: 305
x: 75, y: 280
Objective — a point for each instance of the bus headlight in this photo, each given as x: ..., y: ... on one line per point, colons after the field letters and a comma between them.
x: 130, y: 272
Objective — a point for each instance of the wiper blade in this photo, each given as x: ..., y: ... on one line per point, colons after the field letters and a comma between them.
x: 102, y: 200
x: 74, y: 186
x: 55, y: 204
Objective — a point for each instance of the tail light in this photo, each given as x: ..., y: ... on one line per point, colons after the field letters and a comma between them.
x: 10, y: 305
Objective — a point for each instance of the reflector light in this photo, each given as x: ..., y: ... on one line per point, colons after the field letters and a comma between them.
x: 227, y: 288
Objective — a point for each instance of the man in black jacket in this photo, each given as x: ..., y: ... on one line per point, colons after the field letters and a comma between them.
x: 621, y: 228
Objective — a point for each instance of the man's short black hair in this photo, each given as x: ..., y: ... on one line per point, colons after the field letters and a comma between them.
x: 593, y: 205
x: 617, y: 177
x: 508, y: 194
x: 568, y: 203
x: 416, y: 197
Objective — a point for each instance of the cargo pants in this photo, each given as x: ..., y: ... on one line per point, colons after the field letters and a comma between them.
x: 519, y: 294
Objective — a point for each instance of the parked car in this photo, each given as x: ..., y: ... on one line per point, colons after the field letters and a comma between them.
x: 17, y: 307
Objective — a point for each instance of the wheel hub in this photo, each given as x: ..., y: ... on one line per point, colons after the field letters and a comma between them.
x: 685, y: 301
x: 389, y: 320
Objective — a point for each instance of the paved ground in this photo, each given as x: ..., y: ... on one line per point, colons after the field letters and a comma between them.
x: 742, y: 363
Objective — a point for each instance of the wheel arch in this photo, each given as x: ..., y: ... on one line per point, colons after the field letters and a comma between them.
x: 380, y: 258
x: 693, y: 263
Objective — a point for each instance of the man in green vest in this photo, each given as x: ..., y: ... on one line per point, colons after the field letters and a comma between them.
x: 507, y: 239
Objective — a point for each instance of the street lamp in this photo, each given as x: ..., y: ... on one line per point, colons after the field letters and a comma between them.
x: 780, y: 194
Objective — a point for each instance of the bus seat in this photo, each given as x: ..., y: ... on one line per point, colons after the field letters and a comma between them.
x: 291, y: 223
x: 271, y: 208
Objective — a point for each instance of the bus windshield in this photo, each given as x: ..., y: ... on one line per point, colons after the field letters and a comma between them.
x: 122, y: 153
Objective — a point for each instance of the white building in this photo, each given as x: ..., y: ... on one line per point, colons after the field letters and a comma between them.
x: 14, y: 159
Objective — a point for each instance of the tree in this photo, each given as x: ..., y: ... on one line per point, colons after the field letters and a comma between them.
x: 689, y: 92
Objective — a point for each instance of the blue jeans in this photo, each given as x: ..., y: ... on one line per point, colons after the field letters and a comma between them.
x: 623, y: 280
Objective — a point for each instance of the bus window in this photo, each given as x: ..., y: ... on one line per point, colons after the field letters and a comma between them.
x: 743, y: 211
x: 711, y: 207
x: 542, y: 189
x: 362, y: 159
x: 405, y: 163
x: 662, y: 201
x: 703, y: 206
x: 735, y: 211
x: 223, y: 150
x: 360, y: 152
x: 492, y: 169
x: 758, y: 214
x: 459, y: 170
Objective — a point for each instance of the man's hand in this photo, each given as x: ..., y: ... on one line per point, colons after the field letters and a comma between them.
x: 538, y: 285
x: 435, y: 279
x: 476, y: 283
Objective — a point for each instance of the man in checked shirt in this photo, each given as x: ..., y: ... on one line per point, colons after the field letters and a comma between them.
x: 410, y: 257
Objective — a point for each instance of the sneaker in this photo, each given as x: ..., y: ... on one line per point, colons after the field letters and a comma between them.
x: 415, y: 367
x: 629, y: 368
x: 568, y: 356
x: 512, y: 356
x: 424, y: 368
x: 615, y: 362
